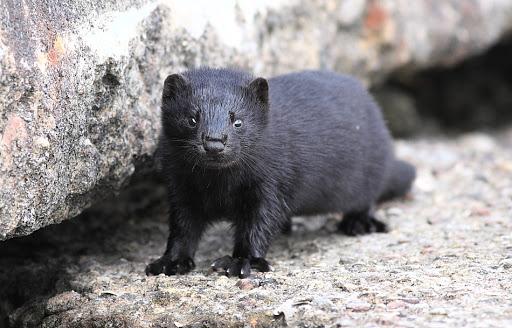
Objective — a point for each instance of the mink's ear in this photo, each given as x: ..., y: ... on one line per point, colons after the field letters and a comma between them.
x: 174, y: 85
x: 259, y: 87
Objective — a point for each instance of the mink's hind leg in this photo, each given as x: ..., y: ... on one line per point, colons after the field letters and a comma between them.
x: 287, y: 227
x: 360, y: 223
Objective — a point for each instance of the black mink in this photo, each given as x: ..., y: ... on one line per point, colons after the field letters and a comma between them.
x: 256, y: 152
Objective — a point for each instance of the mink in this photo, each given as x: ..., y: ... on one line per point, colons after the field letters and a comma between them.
x: 256, y: 152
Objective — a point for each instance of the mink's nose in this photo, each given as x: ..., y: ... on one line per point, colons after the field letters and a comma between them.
x: 213, y: 146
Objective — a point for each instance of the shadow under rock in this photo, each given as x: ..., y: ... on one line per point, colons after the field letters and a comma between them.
x: 42, y: 263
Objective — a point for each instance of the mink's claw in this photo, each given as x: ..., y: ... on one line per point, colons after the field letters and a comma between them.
x: 354, y: 224
x: 222, y: 263
x: 168, y: 267
x: 241, y: 266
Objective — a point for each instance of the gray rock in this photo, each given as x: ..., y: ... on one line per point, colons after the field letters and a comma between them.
x: 80, y: 82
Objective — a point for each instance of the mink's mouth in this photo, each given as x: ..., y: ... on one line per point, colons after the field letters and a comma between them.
x: 216, y: 160
x: 217, y: 163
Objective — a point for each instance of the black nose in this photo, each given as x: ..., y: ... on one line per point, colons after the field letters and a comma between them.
x: 213, y: 146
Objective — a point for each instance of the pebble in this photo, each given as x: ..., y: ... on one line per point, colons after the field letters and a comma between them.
x: 426, y: 183
x: 42, y: 142
x: 479, y: 142
x: 507, y: 264
x: 248, y: 283
x: 358, y: 306
x: 340, y: 285
x: 410, y: 300
x: 399, y: 304
x: 63, y: 302
x: 437, y: 220
x: 287, y: 308
x: 351, y: 11
x: 394, y: 211
x: 268, y: 282
x: 427, y: 250
x: 222, y: 281
x: 346, y: 260
x: 480, y: 212
x: 322, y: 302
x: 439, y: 311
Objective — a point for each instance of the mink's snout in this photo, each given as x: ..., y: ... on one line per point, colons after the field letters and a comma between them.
x: 214, y: 144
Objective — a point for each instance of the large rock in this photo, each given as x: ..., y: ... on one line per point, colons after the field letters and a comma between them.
x: 80, y: 82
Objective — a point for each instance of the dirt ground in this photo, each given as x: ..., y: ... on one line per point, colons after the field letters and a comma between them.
x: 446, y: 263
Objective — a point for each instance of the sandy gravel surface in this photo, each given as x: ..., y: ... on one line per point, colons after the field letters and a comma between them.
x: 446, y: 263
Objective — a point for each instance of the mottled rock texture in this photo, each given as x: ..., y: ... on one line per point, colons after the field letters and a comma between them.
x: 80, y: 82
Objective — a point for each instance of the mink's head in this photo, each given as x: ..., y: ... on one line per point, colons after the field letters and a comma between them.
x: 214, y: 118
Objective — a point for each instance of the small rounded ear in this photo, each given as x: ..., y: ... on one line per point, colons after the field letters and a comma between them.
x: 259, y: 86
x: 174, y: 85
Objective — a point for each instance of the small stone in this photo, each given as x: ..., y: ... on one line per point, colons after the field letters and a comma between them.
x: 439, y: 311
x: 63, y: 302
x: 287, y: 308
x: 322, y: 302
x: 506, y: 166
x: 351, y: 11
x: 346, y: 260
x: 437, y: 220
x: 222, y: 281
x: 399, y: 304
x: 42, y: 142
x: 394, y: 211
x: 471, y: 255
x: 484, y: 211
x: 507, y: 264
x: 358, y: 306
x: 427, y: 250
x: 340, y: 285
x: 393, y: 256
x: 410, y: 300
x: 248, y: 283
x: 268, y: 282
x: 479, y: 142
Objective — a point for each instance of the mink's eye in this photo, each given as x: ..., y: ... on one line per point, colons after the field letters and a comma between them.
x: 192, y: 121
x: 237, y: 123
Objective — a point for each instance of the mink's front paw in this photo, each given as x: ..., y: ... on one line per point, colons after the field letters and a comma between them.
x: 241, y: 266
x: 354, y: 224
x: 168, y: 267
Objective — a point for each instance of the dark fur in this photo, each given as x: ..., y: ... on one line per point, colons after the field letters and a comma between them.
x: 310, y: 142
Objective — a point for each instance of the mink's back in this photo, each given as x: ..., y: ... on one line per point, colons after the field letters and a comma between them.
x: 327, y: 143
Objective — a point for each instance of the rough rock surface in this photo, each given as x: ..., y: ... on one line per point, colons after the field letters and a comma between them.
x: 446, y: 263
x: 80, y: 82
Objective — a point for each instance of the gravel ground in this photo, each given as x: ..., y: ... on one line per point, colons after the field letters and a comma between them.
x: 446, y: 263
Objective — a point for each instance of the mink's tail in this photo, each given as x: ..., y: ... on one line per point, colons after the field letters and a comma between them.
x: 399, y: 182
